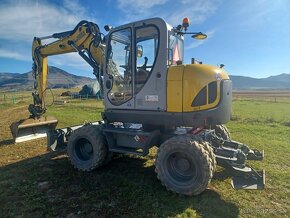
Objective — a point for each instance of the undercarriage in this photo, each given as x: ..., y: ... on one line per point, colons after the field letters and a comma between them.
x: 128, y: 138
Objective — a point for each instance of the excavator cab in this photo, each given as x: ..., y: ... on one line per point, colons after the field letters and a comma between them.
x: 136, y: 66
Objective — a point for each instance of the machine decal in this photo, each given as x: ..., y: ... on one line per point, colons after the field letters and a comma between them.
x: 151, y: 98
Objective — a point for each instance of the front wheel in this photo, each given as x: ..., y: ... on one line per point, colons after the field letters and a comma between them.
x: 87, y: 148
x: 183, y: 166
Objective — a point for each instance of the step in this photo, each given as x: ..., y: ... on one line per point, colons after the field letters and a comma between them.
x: 126, y: 150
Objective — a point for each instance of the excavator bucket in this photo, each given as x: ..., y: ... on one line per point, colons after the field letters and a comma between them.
x: 30, y: 129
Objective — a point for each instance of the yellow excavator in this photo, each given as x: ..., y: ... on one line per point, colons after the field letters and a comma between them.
x: 151, y: 98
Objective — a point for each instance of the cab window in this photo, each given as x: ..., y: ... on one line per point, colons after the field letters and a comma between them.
x: 175, y: 52
x: 147, y: 40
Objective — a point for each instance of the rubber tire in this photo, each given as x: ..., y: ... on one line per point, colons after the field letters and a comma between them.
x: 201, y: 161
x: 94, y: 136
x: 206, y: 145
x: 222, y: 132
x: 208, y: 148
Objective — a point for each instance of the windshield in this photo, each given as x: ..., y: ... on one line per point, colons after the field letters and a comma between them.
x: 175, y: 51
x: 119, y: 66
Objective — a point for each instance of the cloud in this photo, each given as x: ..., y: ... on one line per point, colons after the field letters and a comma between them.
x: 4, y: 53
x: 22, y: 20
x: 139, y: 4
x: 172, y: 11
x: 196, y: 10
x: 259, y: 12
x: 70, y: 60
x: 139, y: 9
x: 197, y: 43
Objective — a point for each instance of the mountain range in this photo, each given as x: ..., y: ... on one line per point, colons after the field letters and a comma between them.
x: 279, y: 82
x: 58, y: 78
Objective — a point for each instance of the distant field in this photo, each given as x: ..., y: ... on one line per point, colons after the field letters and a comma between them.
x: 263, y: 95
x: 128, y: 187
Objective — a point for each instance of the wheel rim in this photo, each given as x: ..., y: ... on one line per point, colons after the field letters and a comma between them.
x: 181, y: 168
x: 84, y: 149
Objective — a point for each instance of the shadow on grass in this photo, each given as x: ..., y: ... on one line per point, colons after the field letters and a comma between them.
x: 47, y: 185
x: 6, y: 142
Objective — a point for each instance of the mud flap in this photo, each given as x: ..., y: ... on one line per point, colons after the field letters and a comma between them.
x: 30, y: 129
x: 248, y: 178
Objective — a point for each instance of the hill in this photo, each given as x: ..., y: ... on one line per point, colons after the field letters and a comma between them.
x: 57, y: 78
x: 279, y: 82
x: 5, y: 76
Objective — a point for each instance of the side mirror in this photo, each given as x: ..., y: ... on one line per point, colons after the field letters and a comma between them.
x: 139, y: 51
x: 199, y: 36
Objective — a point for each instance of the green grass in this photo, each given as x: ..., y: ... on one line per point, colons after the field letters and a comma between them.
x: 77, y: 112
x: 127, y: 186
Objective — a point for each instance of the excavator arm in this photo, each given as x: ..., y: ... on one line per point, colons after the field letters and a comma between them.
x: 85, y: 39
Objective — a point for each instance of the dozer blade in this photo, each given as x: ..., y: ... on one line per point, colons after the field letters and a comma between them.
x: 30, y: 129
x: 243, y: 176
x: 248, y: 178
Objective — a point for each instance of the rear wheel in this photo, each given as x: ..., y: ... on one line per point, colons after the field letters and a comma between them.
x: 87, y: 148
x: 222, y: 132
x: 183, y: 166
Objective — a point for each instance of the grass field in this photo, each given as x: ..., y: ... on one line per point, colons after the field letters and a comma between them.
x: 36, y: 183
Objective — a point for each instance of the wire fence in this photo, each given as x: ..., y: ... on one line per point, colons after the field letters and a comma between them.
x: 14, y: 97
x: 17, y: 97
x: 271, y: 96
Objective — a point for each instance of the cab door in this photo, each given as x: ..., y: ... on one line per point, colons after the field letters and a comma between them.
x: 135, y: 70
x: 150, y: 61
x: 118, y: 76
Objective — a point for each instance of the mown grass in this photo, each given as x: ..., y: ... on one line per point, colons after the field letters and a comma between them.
x: 127, y: 186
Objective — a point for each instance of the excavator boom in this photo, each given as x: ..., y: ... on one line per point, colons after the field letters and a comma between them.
x: 85, y: 39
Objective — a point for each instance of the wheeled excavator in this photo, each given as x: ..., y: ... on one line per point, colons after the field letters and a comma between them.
x: 151, y: 98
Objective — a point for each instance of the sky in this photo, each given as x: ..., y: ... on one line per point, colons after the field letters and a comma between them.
x: 250, y: 37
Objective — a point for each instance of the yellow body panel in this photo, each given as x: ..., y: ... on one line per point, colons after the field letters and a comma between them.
x: 82, y: 40
x: 174, y: 88
x: 190, y: 80
x: 43, y: 78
